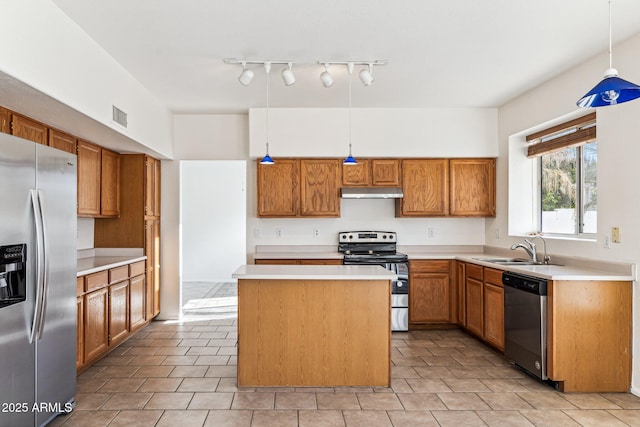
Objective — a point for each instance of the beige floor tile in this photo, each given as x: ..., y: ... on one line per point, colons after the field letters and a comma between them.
x: 169, y: 401
x: 204, y: 400
x: 463, y: 401
x: 153, y: 372
x: 293, y: 400
x: 472, y: 361
x: 179, y: 360
x: 114, y: 360
x: 141, y: 351
x: 466, y: 384
x: 184, y: 335
x: 90, y: 418
x: 90, y: 401
x: 440, y: 361
x: 214, y: 334
x: 590, y: 401
x: 147, y: 360
x: 470, y: 372
x: 188, y: 371
x: 222, y: 342
x: 117, y: 372
x: 166, y: 342
x: 445, y: 351
x: 199, y: 384
x: 505, y: 372
x: 127, y: 401
x: 624, y: 400
x: 594, y: 418
x: 337, y: 401
x: 203, y: 351
x: 366, y: 419
x: 212, y: 360
x: 449, y: 342
x: 227, y: 384
x: 412, y: 419
x: 89, y: 385
x: 434, y: 372
x: 194, y: 342
x: 171, y: 351
x: 457, y: 418
x: 160, y: 385
x: 119, y: 385
x: 504, y: 401
x: 188, y: 418
x: 504, y: 419
x: 231, y: 418
x: 428, y: 385
x: 222, y: 371
x: 629, y: 416
x: 320, y: 418
x: 229, y: 351
x: 403, y: 372
x: 379, y: 401
x: 549, y: 418
x: 160, y: 335
x: 400, y: 385
x: 278, y: 417
x: 146, y: 418
x: 243, y: 400
x: 409, y: 361
x: 421, y: 401
x: 504, y: 384
x: 546, y: 400
x: 413, y: 351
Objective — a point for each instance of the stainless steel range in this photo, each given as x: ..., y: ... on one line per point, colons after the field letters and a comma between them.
x: 379, y: 248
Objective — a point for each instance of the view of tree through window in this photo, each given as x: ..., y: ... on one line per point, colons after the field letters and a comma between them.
x: 568, y: 190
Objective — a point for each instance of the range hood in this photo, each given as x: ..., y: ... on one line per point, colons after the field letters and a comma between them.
x: 371, y: 193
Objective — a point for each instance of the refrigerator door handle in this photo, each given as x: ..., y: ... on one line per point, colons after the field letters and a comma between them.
x: 45, y: 257
x: 37, y: 216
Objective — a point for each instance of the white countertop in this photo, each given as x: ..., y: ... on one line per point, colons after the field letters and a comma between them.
x: 298, y: 255
x: 98, y: 259
x: 313, y: 272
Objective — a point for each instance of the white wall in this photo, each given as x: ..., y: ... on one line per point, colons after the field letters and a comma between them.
x: 45, y: 49
x: 213, y: 219
x: 618, y: 154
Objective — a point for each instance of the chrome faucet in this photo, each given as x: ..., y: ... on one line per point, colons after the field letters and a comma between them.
x: 530, y: 248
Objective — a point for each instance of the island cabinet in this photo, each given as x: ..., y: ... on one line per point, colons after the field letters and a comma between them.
x: 473, y: 187
x: 98, y: 181
x: 589, y: 335
x: 372, y: 173
x: 425, y: 184
x: 135, y: 227
x: 432, y: 296
x: 299, y: 188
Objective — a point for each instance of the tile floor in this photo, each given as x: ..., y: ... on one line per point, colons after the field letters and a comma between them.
x: 184, y: 374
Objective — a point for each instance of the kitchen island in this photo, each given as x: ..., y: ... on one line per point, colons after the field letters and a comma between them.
x: 314, y: 325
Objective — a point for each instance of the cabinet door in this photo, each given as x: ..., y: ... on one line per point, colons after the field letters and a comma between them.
x: 110, y: 184
x: 429, y: 299
x: 473, y: 187
x: 356, y: 175
x: 494, y: 315
x: 80, y: 332
x: 5, y: 120
x: 460, y: 279
x: 118, y: 312
x: 96, y: 326
x: 152, y: 187
x: 279, y: 188
x: 425, y: 184
x: 320, y: 187
x: 136, y: 302
x: 385, y: 172
x: 474, y: 309
x: 62, y: 141
x: 26, y: 128
x: 89, y: 171
x: 152, y: 251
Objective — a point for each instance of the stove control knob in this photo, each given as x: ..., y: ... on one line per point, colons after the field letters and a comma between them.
x: 350, y: 236
x: 384, y: 236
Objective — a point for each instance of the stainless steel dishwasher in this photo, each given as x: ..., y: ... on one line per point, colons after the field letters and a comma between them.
x: 525, y: 322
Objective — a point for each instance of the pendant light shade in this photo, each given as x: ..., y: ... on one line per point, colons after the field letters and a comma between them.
x: 612, y: 89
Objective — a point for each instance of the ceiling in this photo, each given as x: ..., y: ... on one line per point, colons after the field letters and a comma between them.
x: 447, y: 53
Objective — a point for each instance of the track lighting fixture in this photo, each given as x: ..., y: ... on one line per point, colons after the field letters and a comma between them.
x: 366, y: 75
x: 287, y: 75
x: 325, y: 77
x: 612, y: 89
x: 246, y: 75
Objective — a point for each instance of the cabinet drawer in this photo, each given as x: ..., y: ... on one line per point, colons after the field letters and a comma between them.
x: 493, y: 276
x: 136, y: 269
x: 118, y: 274
x: 430, y: 266
x: 80, y: 285
x: 474, y: 271
x: 96, y: 280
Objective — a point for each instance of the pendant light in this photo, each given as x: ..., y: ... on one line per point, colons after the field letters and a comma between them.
x: 612, y: 89
x: 267, y: 160
x: 350, y: 160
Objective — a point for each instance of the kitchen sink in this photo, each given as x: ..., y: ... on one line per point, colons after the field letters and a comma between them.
x: 510, y: 261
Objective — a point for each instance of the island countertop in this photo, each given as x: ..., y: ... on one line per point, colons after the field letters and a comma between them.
x: 313, y: 272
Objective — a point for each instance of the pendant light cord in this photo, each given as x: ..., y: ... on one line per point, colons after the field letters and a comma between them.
x: 350, y: 69
x: 267, y: 68
x: 610, y: 32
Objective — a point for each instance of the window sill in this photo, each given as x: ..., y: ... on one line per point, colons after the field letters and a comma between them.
x: 589, y: 239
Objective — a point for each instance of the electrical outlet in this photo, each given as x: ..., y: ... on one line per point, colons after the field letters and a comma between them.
x: 257, y: 233
x: 279, y: 232
x: 607, y: 241
x: 615, y: 235
x: 430, y: 232
x: 316, y: 232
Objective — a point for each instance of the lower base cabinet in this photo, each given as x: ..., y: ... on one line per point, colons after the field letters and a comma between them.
x: 493, y: 306
x: 80, y: 332
x: 118, y: 312
x: 96, y: 325
x: 431, y: 294
x: 136, y: 302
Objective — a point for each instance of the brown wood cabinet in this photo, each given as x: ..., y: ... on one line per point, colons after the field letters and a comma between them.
x: 152, y: 187
x: 372, y: 173
x: 425, y: 184
x: 279, y: 188
x: 62, y: 141
x: 432, y: 298
x: 118, y: 312
x: 98, y: 181
x: 152, y: 250
x: 79, y: 331
x: 493, y: 306
x: 295, y: 187
x: 460, y: 280
x: 137, y: 297
x: 474, y: 307
x: 5, y: 120
x: 110, y: 183
x: 473, y: 187
x: 27, y: 128
x: 96, y: 324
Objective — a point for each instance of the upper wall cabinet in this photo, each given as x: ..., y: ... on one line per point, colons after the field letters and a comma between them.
x: 98, y: 181
x: 295, y: 188
x: 372, y: 173
x: 425, y: 184
x: 5, y: 120
x: 62, y: 141
x: 27, y: 128
x: 473, y: 187
x: 152, y: 187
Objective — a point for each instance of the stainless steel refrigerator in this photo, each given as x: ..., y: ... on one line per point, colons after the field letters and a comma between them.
x: 37, y: 282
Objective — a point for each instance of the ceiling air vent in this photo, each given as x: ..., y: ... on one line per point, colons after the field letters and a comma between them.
x: 119, y: 116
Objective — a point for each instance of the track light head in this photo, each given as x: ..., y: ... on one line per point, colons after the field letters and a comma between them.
x: 366, y: 75
x: 287, y: 75
x: 246, y: 75
x: 325, y: 77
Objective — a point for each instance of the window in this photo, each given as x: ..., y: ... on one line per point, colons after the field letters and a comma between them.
x: 567, y: 156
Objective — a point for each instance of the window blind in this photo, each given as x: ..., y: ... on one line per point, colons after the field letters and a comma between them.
x: 569, y: 134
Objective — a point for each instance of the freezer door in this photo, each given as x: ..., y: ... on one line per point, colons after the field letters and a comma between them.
x: 17, y: 355
x: 56, y: 343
